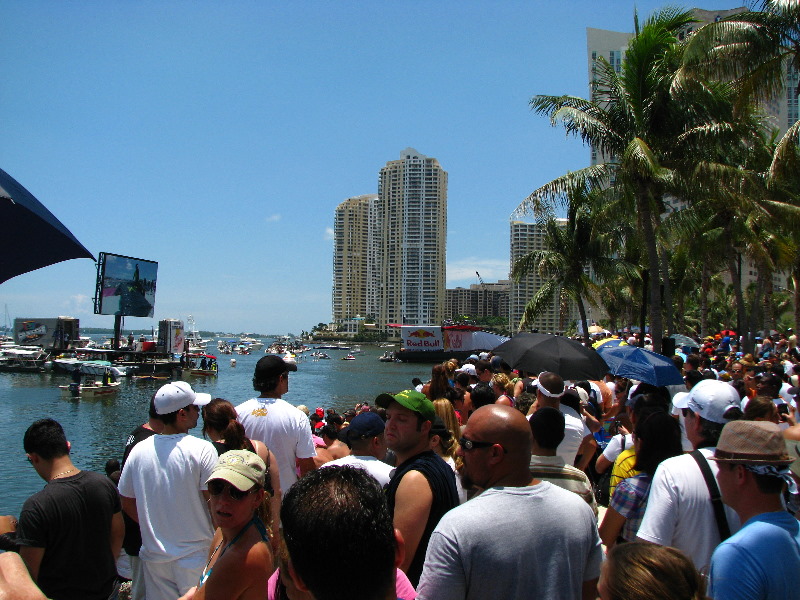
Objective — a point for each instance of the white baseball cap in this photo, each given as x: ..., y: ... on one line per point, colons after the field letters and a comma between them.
x: 469, y: 369
x: 174, y: 396
x: 712, y: 398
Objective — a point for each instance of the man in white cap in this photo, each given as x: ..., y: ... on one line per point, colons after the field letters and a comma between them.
x: 762, y: 560
x: 684, y: 509
x: 163, y: 488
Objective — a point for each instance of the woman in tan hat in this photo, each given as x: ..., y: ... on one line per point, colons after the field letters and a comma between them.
x: 240, y: 559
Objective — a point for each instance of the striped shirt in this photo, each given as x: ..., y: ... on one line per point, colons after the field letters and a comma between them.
x: 557, y: 472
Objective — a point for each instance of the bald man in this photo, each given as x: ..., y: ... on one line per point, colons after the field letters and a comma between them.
x: 521, y: 536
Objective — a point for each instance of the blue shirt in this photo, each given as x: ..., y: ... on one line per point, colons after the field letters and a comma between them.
x: 760, y: 561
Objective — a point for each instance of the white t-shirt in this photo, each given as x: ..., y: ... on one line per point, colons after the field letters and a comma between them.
x: 616, y: 445
x: 166, y: 474
x: 680, y: 399
x: 574, y: 432
x: 679, y: 511
x: 283, y: 428
x: 785, y: 395
x: 462, y: 493
x: 378, y: 469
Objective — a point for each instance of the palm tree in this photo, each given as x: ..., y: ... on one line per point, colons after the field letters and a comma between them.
x: 636, y: 119
x: 753, y: 49
x: 574, y: 254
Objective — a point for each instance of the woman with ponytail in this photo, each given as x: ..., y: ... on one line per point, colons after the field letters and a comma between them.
x: 226, y: 433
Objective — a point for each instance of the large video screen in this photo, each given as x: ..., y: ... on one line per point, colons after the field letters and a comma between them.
x: 127, y: 286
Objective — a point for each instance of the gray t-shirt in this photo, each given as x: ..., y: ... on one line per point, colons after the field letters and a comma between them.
x: 513, y: 542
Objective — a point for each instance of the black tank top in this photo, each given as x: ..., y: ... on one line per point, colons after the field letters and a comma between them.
x: 443, y: 486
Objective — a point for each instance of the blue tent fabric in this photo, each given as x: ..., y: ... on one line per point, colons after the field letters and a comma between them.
x: 27, y: 221
x: 640, y: 364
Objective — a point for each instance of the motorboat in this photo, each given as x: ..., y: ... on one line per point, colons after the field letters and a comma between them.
x: 252, y: 343
x: 90, y: 389
x: 196, y: 343
x: 200, y: 365
x: 22, y: 360
x: 349, y: 357
x: 387, y: 356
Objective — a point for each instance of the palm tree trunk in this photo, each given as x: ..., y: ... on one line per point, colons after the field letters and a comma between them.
x: 648, y: 231
x: 582, y: 313
x: 668, y: 309
x: 736, y: 279
x: 766, y: 305
x: 705, y: 284
x: 796, y: 286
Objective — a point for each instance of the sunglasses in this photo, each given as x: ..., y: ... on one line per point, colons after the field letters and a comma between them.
x: 217, y: 486
x: 468, y: 444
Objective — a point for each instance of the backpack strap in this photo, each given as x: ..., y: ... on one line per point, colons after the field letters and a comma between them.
x: 716, y: 497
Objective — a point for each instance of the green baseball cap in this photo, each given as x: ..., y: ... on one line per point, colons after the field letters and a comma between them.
x: 412, y: 400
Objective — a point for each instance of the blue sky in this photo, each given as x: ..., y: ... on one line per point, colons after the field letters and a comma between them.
x: 217, y: 138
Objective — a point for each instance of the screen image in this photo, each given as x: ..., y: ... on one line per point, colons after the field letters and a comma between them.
x: 127, y: 286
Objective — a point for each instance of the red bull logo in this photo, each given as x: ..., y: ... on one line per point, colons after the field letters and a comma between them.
x: 421, y: 333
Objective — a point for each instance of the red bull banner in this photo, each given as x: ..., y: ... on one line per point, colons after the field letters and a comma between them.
x: 421, y: 338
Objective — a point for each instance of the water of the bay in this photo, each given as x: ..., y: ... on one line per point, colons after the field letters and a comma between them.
x: 97, y: 429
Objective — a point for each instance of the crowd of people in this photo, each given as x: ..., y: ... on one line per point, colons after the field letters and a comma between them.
x: 481, y: 482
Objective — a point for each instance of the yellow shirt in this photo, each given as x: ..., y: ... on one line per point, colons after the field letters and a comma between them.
x: 623, y: 468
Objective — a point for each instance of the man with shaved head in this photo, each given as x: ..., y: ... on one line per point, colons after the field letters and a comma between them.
x: 521, y: 536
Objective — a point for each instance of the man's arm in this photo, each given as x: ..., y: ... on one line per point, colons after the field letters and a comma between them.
x: 412, y: 506
x: 129, y: 506
x: 117, y: 533
x: 589, y: 589
x: 443, y: 576
x: 32, y: 557
x: 306, y: 465
x: 15, y: 582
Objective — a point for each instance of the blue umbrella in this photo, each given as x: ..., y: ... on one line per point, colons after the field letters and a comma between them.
x: 640, y: 364
x: 32, y: 237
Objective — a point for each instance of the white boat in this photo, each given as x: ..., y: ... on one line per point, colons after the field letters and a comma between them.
x: 252, y: 343
x: 90, y: 389
x: 356, y: 350
x: 22, y: 360
x: 349, y: 357
x: 197, y: 344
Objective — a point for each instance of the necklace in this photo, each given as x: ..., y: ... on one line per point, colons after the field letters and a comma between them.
x: 56, y: 476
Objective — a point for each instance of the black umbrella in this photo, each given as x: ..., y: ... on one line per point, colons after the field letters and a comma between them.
x: 537, y: 352
x: 32, y: 237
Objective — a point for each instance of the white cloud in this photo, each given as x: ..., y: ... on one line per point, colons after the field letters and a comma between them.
x: 328, y: 234
x: 462, y: 272
x: 273, y: 219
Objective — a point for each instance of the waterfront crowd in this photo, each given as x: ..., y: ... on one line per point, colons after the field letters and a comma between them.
x: 480, y: 482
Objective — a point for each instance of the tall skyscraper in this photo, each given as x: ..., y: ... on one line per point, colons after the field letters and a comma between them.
x: 350, y: 254
x: 525, y: 238
x: 407, y: 242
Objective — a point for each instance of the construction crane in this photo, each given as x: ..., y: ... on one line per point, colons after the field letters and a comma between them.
x: 483, y: 285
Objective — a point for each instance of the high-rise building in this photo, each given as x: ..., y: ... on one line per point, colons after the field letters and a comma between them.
x: 408, y: 242
x: 484, y: 300
x: 525, y: 238
x: 350, y: 255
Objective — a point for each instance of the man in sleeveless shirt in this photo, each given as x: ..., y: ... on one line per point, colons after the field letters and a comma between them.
x: 422, y: 488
